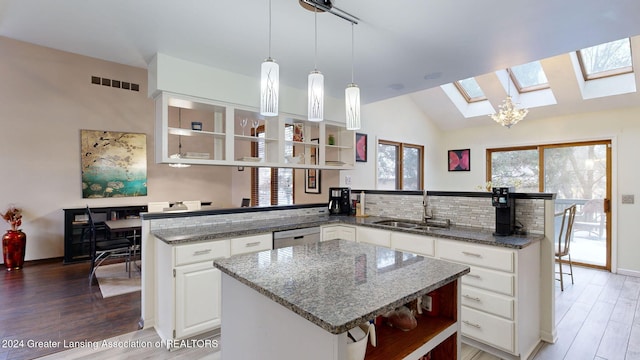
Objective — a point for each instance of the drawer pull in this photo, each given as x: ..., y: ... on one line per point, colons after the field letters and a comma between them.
x: 252, y: 244
x: 474, y: 298
x: 474, y: 276
x: 201, y: 252
x: 471, y: 254
x: 471, y: 324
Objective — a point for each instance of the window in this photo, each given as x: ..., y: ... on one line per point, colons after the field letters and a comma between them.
x: 529, y: 77
x: 272, y: 186
x: 612, y: 58
x: 470, y: 90
x: 517, y: 167
x: 399, y: 166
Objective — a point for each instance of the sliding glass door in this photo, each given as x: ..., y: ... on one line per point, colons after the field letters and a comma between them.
x: 579, y: 173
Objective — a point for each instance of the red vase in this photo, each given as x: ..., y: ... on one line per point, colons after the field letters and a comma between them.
x: 13, y: 248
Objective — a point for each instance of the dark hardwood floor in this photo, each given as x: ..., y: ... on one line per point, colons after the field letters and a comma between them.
x: 51, y: 303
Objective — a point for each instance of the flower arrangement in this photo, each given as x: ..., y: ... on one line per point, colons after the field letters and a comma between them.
x: 13, y: 216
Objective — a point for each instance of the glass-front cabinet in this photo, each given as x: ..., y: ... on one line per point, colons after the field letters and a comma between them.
x: 199, y: 131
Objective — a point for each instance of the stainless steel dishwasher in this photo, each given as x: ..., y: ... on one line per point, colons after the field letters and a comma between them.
x: 296, y: 237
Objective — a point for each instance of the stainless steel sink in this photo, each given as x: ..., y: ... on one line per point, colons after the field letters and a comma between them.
x: 398, y: 224
x: 407, y: 224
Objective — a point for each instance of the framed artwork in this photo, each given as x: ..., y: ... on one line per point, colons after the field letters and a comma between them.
x: 361, y: 147
x: 114, y: 164
x: 314, y: 152
x: 459, y: 160
x: 312, y: 181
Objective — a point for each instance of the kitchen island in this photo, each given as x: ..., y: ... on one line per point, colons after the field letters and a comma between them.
x: 298, y: 302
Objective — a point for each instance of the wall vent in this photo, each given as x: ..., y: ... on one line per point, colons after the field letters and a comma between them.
x: 97, y: 80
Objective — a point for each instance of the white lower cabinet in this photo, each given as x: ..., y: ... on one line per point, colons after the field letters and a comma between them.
x: 417, y: 244
x: 487, y: 328
x: 500, y: 296
x: 197, y: 299
x: 374, y: 236
x: 188, y: 289
x: 333, y: 232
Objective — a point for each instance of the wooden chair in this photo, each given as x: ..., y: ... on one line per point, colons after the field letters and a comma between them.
x: 564, y: 241
x: 104, y: 248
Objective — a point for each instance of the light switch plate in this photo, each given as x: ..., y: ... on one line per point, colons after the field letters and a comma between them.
x: 628, y: 199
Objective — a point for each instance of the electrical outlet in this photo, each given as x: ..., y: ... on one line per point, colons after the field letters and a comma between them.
x: 347, y: 180
x: 426, y: 303
x: 628, y: 199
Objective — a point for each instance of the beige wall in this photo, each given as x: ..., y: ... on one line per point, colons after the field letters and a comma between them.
x: 46, y: 98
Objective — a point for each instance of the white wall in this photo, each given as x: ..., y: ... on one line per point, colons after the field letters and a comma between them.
x: 396, y: 119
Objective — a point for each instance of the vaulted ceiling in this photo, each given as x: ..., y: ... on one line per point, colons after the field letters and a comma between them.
x: 401, y: 47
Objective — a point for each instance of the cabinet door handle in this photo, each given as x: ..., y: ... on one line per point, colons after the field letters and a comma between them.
x: 474, y: 276
x: 471, y: 254
x: 474, y: 298
x: 252, y: 244
x: 471, y: 324
x: 201, y: 252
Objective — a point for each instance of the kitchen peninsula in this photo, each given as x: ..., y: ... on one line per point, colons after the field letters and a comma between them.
x: 298, y: 302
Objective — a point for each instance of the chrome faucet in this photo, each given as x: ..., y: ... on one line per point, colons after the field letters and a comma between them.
x: 426, y: 215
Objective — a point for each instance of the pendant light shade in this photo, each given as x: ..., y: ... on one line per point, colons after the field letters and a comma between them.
x: 315, y: 108
x: 269, y: 82
x: 316, y: 96
x: 352, y: 106
x: 352, y: 96
x: 269, y: 87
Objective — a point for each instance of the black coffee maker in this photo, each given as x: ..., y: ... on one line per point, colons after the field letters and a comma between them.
x: 502, y: 199
x: 339, y: 201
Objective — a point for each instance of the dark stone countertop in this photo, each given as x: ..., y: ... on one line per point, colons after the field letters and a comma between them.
x: 340, y: 284
x: 176, y: 236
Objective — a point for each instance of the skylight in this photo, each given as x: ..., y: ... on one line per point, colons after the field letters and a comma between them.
x: 608, y: 59
x: 529, y: 77
x: 470, y: 90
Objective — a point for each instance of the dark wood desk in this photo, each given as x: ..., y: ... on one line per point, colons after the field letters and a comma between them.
x: 133, y: 226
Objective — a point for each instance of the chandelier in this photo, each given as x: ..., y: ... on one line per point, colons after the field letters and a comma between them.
x: 509, y: 114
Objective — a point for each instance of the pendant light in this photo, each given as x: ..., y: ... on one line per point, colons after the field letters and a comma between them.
x: 179, y: 155
x: 269, y: 81
x: 316, y: 83
x: 352, y: 96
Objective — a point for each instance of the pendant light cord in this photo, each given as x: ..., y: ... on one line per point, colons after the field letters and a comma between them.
x: 315, y: 19
x: 269, y: 29
x: 352, y: 52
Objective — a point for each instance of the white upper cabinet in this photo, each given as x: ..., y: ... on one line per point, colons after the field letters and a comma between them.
x: 198, y: 131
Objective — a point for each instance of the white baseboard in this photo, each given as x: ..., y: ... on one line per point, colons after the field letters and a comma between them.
x: 627, y: 272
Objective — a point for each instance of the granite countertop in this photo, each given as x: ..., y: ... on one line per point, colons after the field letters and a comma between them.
x: 339, y: 284
x: 189, y: 234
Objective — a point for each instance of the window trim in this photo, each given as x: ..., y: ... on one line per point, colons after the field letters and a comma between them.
x: 522, y: 89
x: 400, y: 161
x: 466, y: 95
x: 607, y: 73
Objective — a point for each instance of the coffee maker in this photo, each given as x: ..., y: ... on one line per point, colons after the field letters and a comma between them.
x: 339, y: 201
x: 502, y: 199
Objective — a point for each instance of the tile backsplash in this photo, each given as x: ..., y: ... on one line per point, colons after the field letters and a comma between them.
x: 460, y: 210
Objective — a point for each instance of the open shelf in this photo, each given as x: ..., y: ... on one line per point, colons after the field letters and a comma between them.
x: 436, y: 334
